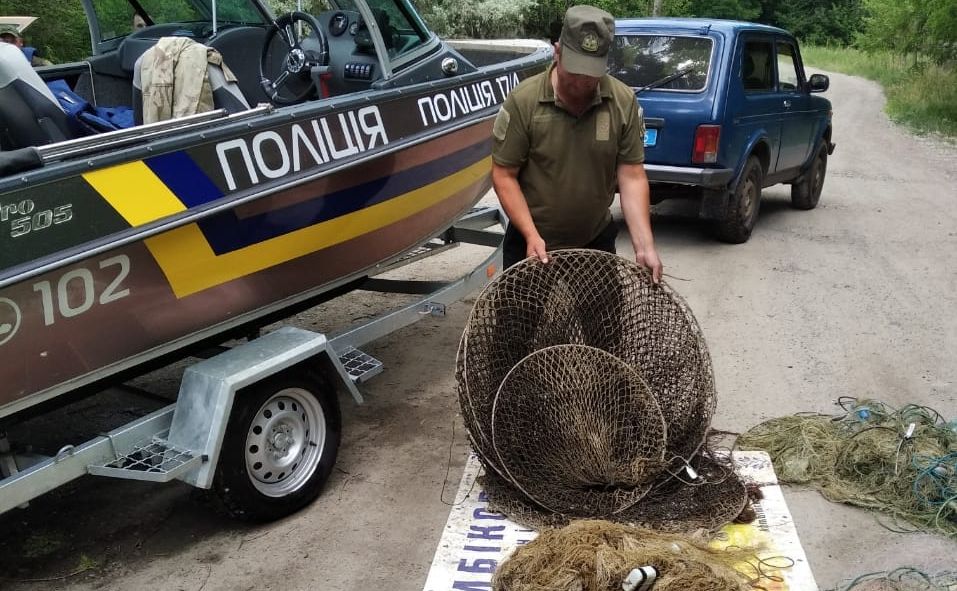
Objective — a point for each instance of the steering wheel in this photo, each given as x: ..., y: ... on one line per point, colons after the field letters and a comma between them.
x: 303, y: 52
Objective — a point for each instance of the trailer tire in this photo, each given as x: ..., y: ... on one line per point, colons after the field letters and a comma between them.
x: 279, y: 448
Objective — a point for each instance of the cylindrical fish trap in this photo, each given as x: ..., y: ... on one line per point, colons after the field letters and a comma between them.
x: 583, y: 384
x: 578, y: 431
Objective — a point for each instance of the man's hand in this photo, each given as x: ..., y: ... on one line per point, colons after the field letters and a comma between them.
x: 536, y: 248
x: 635, y: 205
x: 648, y: 258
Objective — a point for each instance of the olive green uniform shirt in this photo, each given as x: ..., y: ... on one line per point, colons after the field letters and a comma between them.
x: 568, y: 165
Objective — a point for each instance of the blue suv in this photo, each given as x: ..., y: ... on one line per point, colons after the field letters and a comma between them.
x: 728, y: 111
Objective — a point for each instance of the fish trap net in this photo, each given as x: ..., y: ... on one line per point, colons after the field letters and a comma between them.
x: 575, y: 397
x: 583, y: 385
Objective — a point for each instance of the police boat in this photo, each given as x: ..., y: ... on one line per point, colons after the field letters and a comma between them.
x: 337, y: 141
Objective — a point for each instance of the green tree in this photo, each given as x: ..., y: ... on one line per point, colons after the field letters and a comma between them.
x: 60, y: 31
x: 745, y: 10
x: 821, y: 22
x: 912, y: 27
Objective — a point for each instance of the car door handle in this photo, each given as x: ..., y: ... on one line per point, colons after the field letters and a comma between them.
x: 787, y: 104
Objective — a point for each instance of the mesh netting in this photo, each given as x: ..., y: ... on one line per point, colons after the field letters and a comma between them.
x: 585, y: 389
x: 593, y: 298
x: 717, y: 498
x: 902, y: 462
x: 575, y: 398
x: 598, y: 556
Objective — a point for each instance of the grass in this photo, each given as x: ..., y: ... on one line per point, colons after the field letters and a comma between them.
x: 920, y: 94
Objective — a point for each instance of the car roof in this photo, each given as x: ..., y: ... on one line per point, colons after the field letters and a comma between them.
x: 697, y: 24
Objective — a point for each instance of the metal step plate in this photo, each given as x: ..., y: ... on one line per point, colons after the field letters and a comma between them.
x: 152, y: 459
x: 428, y: 249
x: 360, y: 366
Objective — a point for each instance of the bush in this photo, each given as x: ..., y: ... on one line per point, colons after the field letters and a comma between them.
x: 477, y: 18
x: 920, y: 93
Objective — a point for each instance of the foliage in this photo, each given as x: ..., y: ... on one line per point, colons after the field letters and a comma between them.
x: 60, y: 32
x: 922, y: 97
x: 477, y: 18
x: 912, y: 26
x: 746, y: 10
x: 837, y: 22
x: 907, y: 27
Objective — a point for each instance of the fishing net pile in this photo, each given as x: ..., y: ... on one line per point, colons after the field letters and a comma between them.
x: 901, y: 462
x: 588, y: 391
x: 591, y: 555
x: 902, y: 579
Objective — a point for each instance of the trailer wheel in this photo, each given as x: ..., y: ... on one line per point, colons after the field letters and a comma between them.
x: 280, y: 446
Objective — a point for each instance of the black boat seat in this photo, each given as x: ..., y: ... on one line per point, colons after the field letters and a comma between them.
x: 29, y: 113
x: 226, y: 95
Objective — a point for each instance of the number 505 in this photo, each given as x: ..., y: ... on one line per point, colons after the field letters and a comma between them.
x: 41, y: 220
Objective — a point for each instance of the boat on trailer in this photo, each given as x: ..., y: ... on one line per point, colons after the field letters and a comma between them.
x: 359, y: 135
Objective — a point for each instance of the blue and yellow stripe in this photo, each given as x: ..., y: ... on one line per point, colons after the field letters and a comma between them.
x: 225, y: 247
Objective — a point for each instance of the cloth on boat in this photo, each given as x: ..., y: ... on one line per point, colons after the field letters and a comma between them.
x: 175, y: 79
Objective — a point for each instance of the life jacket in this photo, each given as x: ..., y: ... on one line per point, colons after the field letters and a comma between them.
x: 84, y: 118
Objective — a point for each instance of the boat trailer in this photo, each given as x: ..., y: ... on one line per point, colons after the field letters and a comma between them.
x: 185, y: 440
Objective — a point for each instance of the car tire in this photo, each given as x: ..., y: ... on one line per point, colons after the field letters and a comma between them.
x: 806, y: 193
x: 743, y: 205
x: 279, y: 448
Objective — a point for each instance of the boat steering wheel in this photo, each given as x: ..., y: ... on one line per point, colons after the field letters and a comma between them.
x: 296, y: 70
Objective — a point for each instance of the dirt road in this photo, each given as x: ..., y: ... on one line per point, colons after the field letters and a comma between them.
x: 855, y: 298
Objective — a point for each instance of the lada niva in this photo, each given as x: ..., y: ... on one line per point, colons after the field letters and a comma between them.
x: 728, y: 111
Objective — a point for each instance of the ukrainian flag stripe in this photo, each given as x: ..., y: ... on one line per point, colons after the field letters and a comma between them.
x: 191, y: 265
x: 184, y: 178
x: 135, y: 192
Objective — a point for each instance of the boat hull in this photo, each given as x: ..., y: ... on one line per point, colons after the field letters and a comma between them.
x: 166, y: 251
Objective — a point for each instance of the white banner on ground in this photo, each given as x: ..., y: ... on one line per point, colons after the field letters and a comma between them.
x: 476, y: 540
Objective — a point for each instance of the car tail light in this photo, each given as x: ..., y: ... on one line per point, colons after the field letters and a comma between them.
x: 706, y: 144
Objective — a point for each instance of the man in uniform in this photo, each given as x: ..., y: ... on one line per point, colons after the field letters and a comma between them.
x: 11, y: 34
x: 563, y: 141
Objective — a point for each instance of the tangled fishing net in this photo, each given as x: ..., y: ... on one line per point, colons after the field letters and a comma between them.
x: 902, y: 462
x: 587, y: 391
x: 598, y: 555
x: 902, y: 579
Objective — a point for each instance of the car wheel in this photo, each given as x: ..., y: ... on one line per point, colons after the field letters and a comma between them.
x: 279, y: 449
x: 743, y: 205
x: 806, y: 193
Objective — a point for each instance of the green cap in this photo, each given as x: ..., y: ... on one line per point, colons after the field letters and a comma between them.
x: 587, y: 35
x: 10, y: 30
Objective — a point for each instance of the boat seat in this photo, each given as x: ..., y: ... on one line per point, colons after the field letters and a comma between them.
x: 29, y: 113
x: 226, y: 95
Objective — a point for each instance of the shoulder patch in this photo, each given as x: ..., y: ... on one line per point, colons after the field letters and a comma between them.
x: 501, y: 124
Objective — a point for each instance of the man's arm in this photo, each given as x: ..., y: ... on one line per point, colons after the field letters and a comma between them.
x: 636, y: 206
x: 505, y: 182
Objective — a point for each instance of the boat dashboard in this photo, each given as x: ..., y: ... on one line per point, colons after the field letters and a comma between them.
x: 353, y: 61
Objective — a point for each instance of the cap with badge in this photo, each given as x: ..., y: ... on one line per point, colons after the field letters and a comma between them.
x: 11, y: 30
x: 587, y: 35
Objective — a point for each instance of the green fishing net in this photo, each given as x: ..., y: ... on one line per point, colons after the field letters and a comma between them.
x: 900, y: 462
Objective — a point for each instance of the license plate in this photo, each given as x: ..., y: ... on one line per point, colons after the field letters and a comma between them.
x: 651, y: 137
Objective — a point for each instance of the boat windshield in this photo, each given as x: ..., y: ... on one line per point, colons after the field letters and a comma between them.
x: 118, y: 18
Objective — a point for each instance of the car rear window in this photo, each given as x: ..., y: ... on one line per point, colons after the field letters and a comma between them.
x: 640, y: 60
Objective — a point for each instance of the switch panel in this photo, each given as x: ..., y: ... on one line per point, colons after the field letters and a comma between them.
x: 359, y: 71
